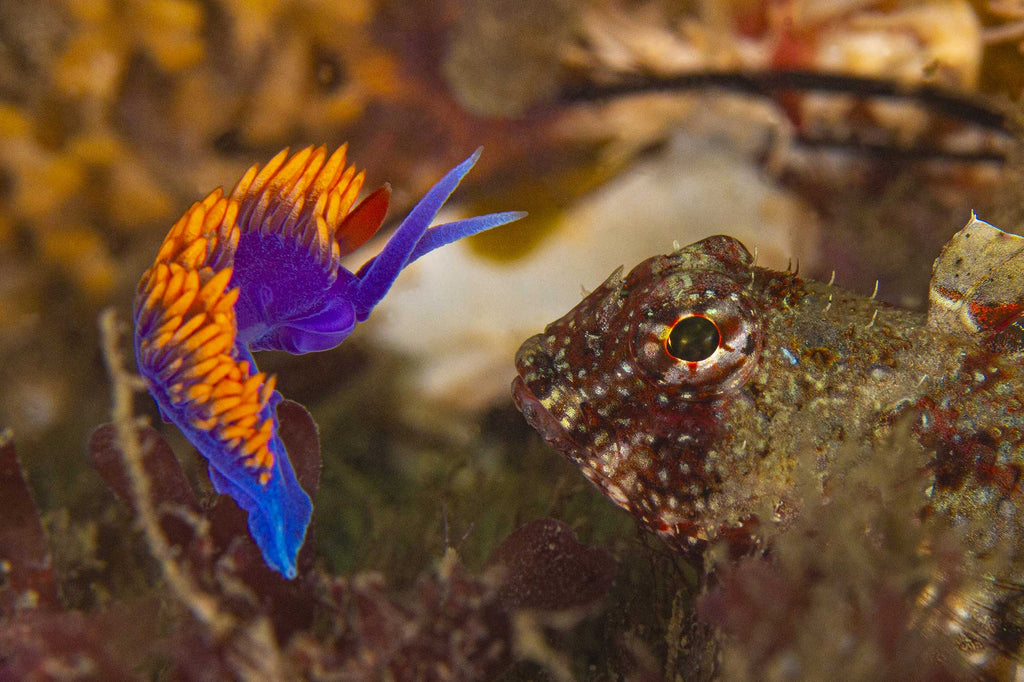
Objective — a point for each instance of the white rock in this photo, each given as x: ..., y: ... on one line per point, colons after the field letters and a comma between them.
x: 462, y: 317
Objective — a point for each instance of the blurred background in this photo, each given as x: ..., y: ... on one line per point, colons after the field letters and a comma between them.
x: 849, y: 136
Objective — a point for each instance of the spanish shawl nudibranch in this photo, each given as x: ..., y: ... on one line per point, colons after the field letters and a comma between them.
x: 261, y: 270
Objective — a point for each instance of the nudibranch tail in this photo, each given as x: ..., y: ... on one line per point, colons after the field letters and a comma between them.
x: 279, y: 509
x: 262, y: 270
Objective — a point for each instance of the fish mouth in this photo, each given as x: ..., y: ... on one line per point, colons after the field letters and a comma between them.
x: 534, y: 383
x: 541, y: 419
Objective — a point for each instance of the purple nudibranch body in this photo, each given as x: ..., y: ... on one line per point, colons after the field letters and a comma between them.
x: 261, y: 270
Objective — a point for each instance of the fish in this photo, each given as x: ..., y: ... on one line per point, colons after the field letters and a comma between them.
x: 260, y: 269
x: 691, y: 390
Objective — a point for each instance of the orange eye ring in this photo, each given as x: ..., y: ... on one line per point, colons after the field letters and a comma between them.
x: 700, y: 336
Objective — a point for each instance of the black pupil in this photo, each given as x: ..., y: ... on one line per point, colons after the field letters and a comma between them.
x: 693, y: 339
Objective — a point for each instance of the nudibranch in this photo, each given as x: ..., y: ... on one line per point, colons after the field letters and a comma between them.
x: 261, y: 270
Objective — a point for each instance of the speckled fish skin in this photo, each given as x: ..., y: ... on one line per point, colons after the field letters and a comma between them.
x: 704, y: 451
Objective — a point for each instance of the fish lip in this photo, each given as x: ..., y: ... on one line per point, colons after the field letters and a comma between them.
x: 521, y: 394
x: 535, y: 413
x: 542, y: 421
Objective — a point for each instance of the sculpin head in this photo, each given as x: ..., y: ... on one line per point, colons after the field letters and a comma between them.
x: 685, y: 390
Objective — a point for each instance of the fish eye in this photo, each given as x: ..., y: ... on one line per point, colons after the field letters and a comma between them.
x: 700, y: 336
x: 693, y: 338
